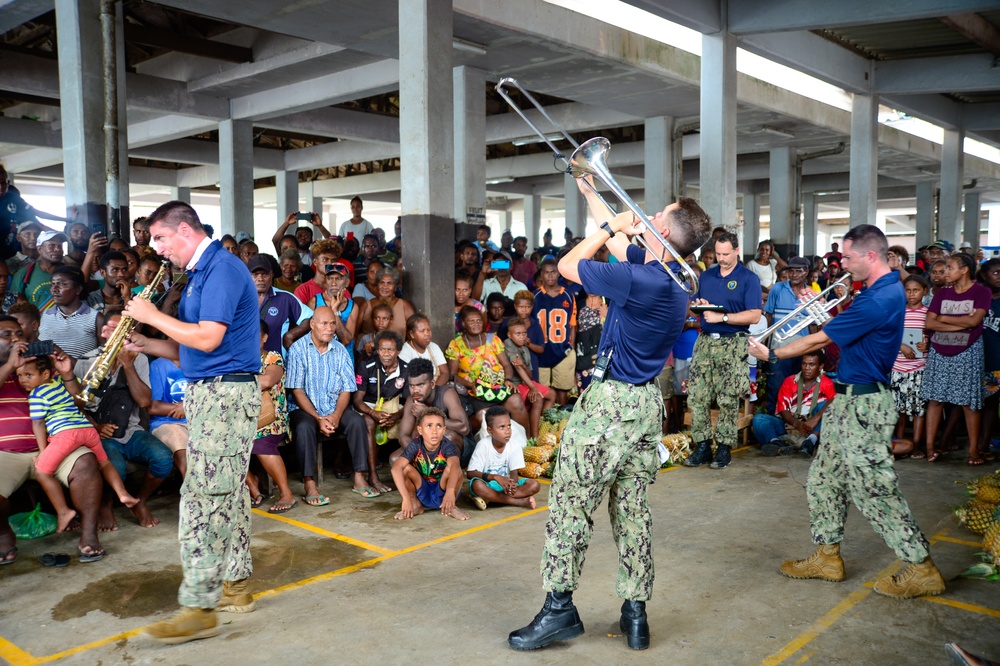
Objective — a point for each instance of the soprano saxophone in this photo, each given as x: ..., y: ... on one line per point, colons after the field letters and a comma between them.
x: 109, y: 352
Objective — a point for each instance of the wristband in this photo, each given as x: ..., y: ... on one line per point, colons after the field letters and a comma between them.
x: 771, y: 356
x: 607, y: 227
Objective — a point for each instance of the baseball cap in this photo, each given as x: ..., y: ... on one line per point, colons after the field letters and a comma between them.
x: 259, y: 263
x: 30, y: 223
x: 965, y: 245
x: 943, y: 244
x: 242, y: 236
x: 46, y: 236
x: 798, y: 262
x: 335, y: 268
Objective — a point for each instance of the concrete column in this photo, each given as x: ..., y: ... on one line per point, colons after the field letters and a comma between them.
x: 505, y: 221
x: 925, y: 213
x: 123, y: 174
x: 751, y: 224
x: 426, y: 130
x: 993, y: 230
x: 287, y: 186
x: 810, y: 224
x: 533, y: 220
x: 470, y: 137
x: 236, y: 176
x: 864, y: 159
x: 717, y: 166
x: 315, y: 205
x: 81, y: 101
x: 950, y: 203
x: 576, y: 210
x: 659, y: 163
x: 972, y: 213
x: 784, y: 227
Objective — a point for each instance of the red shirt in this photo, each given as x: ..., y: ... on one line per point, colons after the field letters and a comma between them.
x: 16, y: 433
x: 788, y: 395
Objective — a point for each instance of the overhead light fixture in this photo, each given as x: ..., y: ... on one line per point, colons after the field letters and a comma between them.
x: 526, y: 140
x: 467, y: 46
x: 768, y: 129
x: 498, y: 181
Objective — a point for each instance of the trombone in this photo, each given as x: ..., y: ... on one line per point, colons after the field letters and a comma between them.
x: 590, y: 159
x: 816, y: 309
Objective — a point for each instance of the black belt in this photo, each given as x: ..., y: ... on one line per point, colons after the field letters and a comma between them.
x: 858, y: 389
x: 233, y: 377
x: 622, y: 381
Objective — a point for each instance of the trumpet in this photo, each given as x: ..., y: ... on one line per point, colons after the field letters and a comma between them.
x: 817, y: 311
x: 590, y: 159
x: 102, y: 364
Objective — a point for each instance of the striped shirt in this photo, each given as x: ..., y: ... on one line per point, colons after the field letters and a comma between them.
x: 76, y: 334
x: 53, y: 403
x: 16, y: 434
x: 913, y: 321
x: 322, y: 375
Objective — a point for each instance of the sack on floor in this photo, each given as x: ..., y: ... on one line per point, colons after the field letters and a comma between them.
x: 32, y: 524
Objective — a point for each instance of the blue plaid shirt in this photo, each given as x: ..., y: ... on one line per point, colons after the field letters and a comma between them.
x: 323, y: 376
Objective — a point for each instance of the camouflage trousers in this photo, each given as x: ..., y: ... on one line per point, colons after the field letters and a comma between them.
x: 720, y: 372
x: 855, y: 462
x: 609, y: 444
x: 214, y: 529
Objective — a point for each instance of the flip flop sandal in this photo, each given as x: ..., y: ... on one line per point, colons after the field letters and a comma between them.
x: 934, y: 457
x: 366, y: 492
x: 92, y: 556
x: 917, y: 455
x: 316, y: 500
x: 4, y: 556
x: 257, y: 500
x: 54, y: 559
x: 283, y: 508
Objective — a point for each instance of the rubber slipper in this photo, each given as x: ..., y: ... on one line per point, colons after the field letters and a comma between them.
x: 257, y: 500
x: 316, y: 500
x: 934, y: 457
x: 917, y: 455
x: 92, y: 556
x: 366, y: 492
x: 283, y: 508
x: 54, y: 559
x: 4, y: 556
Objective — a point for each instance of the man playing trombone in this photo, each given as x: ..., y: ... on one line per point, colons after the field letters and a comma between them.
x: 855, y: 461
x: 611, y: 439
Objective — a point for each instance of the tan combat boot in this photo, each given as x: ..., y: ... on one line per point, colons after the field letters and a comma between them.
x: 187, y: 624
x: 236, y: 597
x: 916, y: 580
x: 824, y: 564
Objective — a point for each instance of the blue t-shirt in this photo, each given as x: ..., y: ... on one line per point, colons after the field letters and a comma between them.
x: 646, y: 313
x: 737, y: 292
x: 869, y: 332
x: 220, y: 289
x: 556, y: 315
x: 781, y: 301
x: 166, y: 383
x: 280, y: 310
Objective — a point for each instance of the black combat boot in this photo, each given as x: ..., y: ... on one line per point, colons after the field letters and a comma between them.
x: 701, y: 456
x: 634, y: 625
x: 722, y: 457
x: 557, y: 621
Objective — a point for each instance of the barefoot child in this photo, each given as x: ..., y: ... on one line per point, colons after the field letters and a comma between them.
x: 538, y: 396
x: 493, y: 468
x: 53, y: 413
x: 428, y: 473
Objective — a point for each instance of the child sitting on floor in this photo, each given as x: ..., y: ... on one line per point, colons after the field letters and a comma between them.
x: 428, y: 473
x: 537, y: 397
x: 54, y: 413
x: 493, y: 467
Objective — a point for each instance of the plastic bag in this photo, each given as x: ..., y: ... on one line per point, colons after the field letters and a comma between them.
x: 33, y: 524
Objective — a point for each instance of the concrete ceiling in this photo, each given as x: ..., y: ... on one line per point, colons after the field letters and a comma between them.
x: 310, y: 56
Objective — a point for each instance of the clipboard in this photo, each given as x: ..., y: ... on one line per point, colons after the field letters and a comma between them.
x: 911, y: 337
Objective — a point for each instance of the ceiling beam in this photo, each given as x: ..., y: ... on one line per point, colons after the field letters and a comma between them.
x: 337, y: 124
x: 302, y: 52
x: 810, y: 53
x: 172, y: 41
x: 948, y: 74
x: 29, y: 133
x: 705, y: 16
x: 15, y: 12
x: 976, y: 28
x: 195, y: 151
x: 750, y: 16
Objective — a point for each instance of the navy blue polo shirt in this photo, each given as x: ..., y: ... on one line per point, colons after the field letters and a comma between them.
x: 646, y: 313
x: 220, y: 289
x: 869, y: 332
x: 737, y: 292
x: 279, y: 308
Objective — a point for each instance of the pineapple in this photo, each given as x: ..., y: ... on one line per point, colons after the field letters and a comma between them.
x: 991, y: 543
x: 538, y: 454
x: 976, y: 516
x: 544, y: 429
x: 986, y: 493
x: 549, y: 439
x: 531, y: 470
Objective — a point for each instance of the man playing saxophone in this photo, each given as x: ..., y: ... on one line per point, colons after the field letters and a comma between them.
x: 216, y: 338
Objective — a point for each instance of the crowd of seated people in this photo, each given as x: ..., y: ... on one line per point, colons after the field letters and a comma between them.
x: 345, y: 358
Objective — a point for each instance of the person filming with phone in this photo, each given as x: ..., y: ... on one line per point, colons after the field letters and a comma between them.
x: 496, y: 277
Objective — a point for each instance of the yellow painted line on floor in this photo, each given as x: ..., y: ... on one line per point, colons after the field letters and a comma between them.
x: 964, y: 542
x: 326, y: 533
x: 473, y: 530
x: 15, y: 655
x: 89, y: 646
x: 324, y: 576
x: 804, y: 658
x: 945, y: 601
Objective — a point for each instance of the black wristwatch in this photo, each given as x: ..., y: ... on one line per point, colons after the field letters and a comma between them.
x: 725, y: 318
x: 607, y: 227
x: 771, y: 356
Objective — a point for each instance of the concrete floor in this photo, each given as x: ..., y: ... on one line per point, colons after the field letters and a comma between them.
x: 347, y: 583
